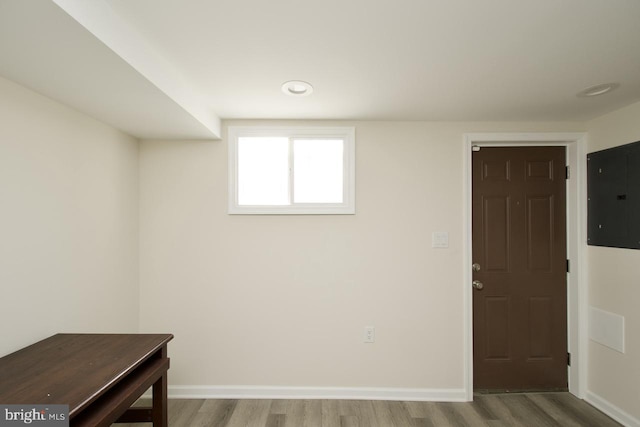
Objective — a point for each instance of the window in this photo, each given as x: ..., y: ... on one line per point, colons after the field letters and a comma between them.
x: 291, y: 170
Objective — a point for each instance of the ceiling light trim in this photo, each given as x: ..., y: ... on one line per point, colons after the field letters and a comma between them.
x: 598, y: 90
x: 297, y: 88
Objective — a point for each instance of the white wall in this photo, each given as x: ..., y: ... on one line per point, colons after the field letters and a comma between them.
x: 68, y: 222
x: 283, y: 300
x: 264, y: 300
x: 614, y: 286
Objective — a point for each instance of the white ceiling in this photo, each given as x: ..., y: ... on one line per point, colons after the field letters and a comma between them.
x: 155, y: 62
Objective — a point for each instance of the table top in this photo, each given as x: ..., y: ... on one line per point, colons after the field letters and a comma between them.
x: 73, y: 369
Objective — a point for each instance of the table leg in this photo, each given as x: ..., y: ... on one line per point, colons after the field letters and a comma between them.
x: 159, y: 409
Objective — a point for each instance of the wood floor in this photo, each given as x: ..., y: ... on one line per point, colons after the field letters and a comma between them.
x: 492, y: 410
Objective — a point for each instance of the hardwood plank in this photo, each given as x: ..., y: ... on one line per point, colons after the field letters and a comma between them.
x: 250, y: 413
x: 279, y: 406
x: 312, y: 413
x: 217, y: 412
x: 362, y: 410
x: 484, y: 411
x: 527, y: 412
x: 347, y: 407
x: 470, y: 415
x: 349, y: 421
x: 421, y: 422
x: 553, y: 410
x: 330, y: 415
x: 383, y: 414
x: 434, y: 413
x: 496, y: 405
x: 417, y: 409
x: 399, y: 414
x: 368, y: 414
x: 452, y: 414
x: 294, y: 413
x: 182, y: 412
x: 276, y: 420
x: 505, y: 410
x: 581, y: 412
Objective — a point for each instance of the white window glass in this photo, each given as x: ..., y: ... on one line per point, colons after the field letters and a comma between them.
x: 291, y: 170
x: 263, y: 171
x: 318, y: 170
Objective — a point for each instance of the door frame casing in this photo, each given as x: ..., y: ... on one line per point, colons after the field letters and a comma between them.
x: 575, y: 142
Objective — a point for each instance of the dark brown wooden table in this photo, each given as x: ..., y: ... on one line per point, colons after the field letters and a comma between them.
x: 98, y: 375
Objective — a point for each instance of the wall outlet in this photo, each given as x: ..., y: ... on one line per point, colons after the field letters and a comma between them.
x: 440, y: 239
x: 369, y: 334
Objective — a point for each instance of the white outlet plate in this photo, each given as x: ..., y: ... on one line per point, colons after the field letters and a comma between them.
x: 369, y: 334
x: 440, y: 239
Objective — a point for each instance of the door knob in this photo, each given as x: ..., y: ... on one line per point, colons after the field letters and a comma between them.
x: 477, y: 284
x: 475, y: 266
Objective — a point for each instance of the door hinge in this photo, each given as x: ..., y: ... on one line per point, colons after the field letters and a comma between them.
x: 567, y: 266
x: 568, y: 359
x: 567, y: 172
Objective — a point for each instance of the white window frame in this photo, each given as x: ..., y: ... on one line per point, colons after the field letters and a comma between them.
x: 347, y: 134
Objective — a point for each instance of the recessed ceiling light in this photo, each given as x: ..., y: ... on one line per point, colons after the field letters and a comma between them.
x: 297, y: 88
x: 598, y: 90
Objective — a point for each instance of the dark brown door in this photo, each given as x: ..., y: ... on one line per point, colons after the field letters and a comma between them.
x: 519, y: 246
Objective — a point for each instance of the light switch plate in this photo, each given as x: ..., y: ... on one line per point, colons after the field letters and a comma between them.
x: 440, y: 239
x: 369, y: 334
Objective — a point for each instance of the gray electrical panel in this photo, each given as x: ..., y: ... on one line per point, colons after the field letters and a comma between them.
x: 613, y: 197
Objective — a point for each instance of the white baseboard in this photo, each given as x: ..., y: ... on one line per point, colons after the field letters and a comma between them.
x: 266, y: 392
x: 612, y: 410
